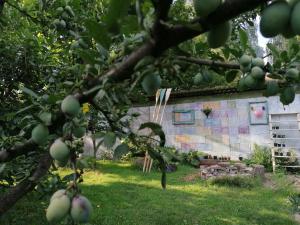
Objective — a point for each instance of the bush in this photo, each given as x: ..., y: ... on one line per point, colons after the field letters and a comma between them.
x: 262, y: 155
x: 295, y: 201
x: 192, y: 158
x: 236, y: 181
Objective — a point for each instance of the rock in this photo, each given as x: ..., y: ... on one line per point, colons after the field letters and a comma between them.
x: 258, y: 171
x: 248, y: 170
x: 202, y: 167
x: 297, y: 217
x: 240, y: 166
x: 215, y: 167
x: 224, y: 164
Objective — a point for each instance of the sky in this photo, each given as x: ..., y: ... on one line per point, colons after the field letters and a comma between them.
x: 261, y: 40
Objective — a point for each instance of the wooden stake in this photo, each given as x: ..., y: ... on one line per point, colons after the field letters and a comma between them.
x: 161, y: 97
x: 156, y: 101
x: 168, y: 93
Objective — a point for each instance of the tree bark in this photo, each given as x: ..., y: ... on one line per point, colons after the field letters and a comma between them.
x: 21, y: 189
x: 9, y: 154
x: 206, y: 62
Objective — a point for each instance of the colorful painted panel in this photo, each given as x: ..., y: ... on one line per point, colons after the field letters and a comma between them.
x: 183, y: 117
x: 258, y: 112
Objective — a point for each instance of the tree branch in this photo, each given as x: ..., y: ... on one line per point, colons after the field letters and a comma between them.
x: 9, y: 154
x: 35, y: 20
x: 206, y: 62
x: 14, y: 194
x: 162, y: 8
x: 164, y: 37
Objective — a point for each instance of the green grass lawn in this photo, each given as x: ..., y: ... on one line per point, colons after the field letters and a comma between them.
x: 122, y: 195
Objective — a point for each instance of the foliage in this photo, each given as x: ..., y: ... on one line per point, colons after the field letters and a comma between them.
x: 262, y: 155
x: 192, y: 158
x: 236, y: 181
x: 295, y: 201
x: 101, y: 53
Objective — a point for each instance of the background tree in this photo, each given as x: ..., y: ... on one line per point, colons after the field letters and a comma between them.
x: 100, y: 52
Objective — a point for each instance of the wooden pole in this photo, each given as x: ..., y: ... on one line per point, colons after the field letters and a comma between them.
x: 161, y: 97
x: 145, y: 161
x: 156, y: 101
x: 273, y: 160
x: 168, y: 93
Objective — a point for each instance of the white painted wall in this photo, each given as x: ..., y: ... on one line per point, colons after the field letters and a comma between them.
x: 227, y: 132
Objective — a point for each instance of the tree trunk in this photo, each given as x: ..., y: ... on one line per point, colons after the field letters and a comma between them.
x: 95, y: 152
x: 20, y: 190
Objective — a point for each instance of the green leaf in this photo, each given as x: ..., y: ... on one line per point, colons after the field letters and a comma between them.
x: 69, y: 83
x: 284, y: 56
x: 98, y: 32
x: 2, y: 167
x: 162, y: 165
x: 243, y: 39
x: 87, y: 56
x: 274, y: 76
x: 287, y: 96
x: 231, y: 75
x: 24, y: 109
x: 117, y: 9
x: 109, y: 139
x: 92, y: 90
x: 293, y: 48
x: 68, y: 177
x: 29, y: 92
x: 148, y: 60
x: 156, y: 129
x: 99, y: 135
x: 274, y: 50
x: 121, y: 150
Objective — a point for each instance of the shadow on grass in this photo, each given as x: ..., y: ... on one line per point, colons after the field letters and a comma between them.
x: 122, y: 169
x: 122, y: 195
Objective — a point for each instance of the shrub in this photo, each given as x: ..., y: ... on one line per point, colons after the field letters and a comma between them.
x: 192, y: 158
x: 236, y: 181
x: 295, y: 201
x: 262, y: 155
x: 106, y: 154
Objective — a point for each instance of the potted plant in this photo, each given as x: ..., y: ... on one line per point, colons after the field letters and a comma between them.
x: 207, y: 111
x: 241, y: 158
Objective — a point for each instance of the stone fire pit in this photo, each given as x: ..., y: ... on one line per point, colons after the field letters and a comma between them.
x: 227, y: 169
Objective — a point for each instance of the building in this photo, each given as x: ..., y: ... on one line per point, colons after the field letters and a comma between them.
x: 237, y: 121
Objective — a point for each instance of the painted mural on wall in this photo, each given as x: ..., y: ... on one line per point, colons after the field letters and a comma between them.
x: 231, y: 129
x: 258, y: 112
x: 220, y: 129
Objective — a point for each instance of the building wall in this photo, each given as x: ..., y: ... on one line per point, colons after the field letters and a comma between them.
x: 226, y: 132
